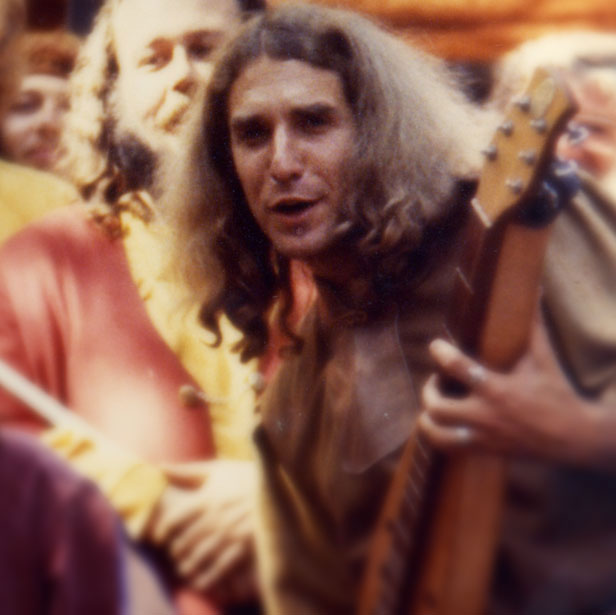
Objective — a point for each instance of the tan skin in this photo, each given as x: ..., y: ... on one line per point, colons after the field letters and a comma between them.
x: 531, y: 411
x: 205, y: 522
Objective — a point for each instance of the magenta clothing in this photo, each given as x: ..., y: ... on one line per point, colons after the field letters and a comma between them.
x: 72, y: 321
x: 60, y: 543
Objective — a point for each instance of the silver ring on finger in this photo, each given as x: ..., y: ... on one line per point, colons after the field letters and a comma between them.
x: 477, y: 375
x: 463, y: 434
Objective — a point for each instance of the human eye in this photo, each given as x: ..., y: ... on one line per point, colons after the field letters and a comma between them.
x: 156, y: 57
x: 250, y: 133
x: 314, y: 121
x: 27, y: 102
x: 200, y: 50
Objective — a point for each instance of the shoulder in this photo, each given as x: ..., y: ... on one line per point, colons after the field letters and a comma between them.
x: 17, y: 178
x: 63, y: 233
x: 27, y: 194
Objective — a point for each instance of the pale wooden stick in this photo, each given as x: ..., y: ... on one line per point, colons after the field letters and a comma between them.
x: 45, y: 406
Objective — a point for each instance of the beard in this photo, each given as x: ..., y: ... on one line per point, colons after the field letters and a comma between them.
x: 171, y: 178
x: 137, y: 162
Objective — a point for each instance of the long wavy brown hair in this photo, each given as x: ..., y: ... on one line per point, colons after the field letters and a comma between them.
x: 417, y: 137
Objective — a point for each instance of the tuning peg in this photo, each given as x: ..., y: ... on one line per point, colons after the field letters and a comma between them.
x: 506, y: 128
x: 490, y: 152
x: 515, y: 185
x: 523, y: 103
x: 528, y: 156
x: 539, y: 125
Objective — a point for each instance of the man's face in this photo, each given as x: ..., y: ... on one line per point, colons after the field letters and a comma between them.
x: 292, y: 134
x: 164, y: 51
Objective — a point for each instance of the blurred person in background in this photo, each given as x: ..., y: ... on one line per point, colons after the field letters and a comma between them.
x: 31, y: 129
x: 90, y: 312
x: 586, y: 61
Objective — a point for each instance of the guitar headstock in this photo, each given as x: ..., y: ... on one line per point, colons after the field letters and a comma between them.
x: 522, y: 145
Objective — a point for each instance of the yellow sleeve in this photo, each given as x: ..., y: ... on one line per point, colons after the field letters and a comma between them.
x: 132, y: 486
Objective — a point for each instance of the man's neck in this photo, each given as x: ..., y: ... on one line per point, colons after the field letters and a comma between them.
x: 344, y: 284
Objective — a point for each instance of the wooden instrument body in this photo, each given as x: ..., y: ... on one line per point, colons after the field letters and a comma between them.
x: 433, y: 550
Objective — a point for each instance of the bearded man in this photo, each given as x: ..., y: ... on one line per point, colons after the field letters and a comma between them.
x: 90, y: 314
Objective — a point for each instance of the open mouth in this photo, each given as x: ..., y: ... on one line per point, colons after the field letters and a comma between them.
x: 292, y: 206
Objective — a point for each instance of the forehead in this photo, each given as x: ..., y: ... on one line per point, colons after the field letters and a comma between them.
x: 136, y: 23
x: 46, y: 84
x: 267, y: 85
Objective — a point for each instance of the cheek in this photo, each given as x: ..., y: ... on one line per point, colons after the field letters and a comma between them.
x: 138, y: 96
x: 248, y: 171
x: 204, y: 71
x: 15, y: 127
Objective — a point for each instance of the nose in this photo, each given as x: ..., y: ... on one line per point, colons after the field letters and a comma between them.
x: 49, y: 120
x: 182, y: 71
x: 286, y: 162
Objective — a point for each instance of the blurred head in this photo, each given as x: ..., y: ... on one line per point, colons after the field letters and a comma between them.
x: 376, y: 136
x: 139, y: 88
x: 587, y: 63
x: 31, y: 129
x: 591, y: 141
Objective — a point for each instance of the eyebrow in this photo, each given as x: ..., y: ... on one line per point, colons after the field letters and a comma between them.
x: 214, y: 35
x: 243, y: 122
x: 318, y: 108
x: 198, y: 35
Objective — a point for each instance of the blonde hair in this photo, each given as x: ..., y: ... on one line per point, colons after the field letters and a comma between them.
x: 84, y: 138
x: 87, y: 138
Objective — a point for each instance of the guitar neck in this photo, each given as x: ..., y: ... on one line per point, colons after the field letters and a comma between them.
x: 433, y: 548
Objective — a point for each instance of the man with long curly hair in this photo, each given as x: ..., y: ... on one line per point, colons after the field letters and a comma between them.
x: 333, y: 143
x: 326, y: 146
x: 91, y: 313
